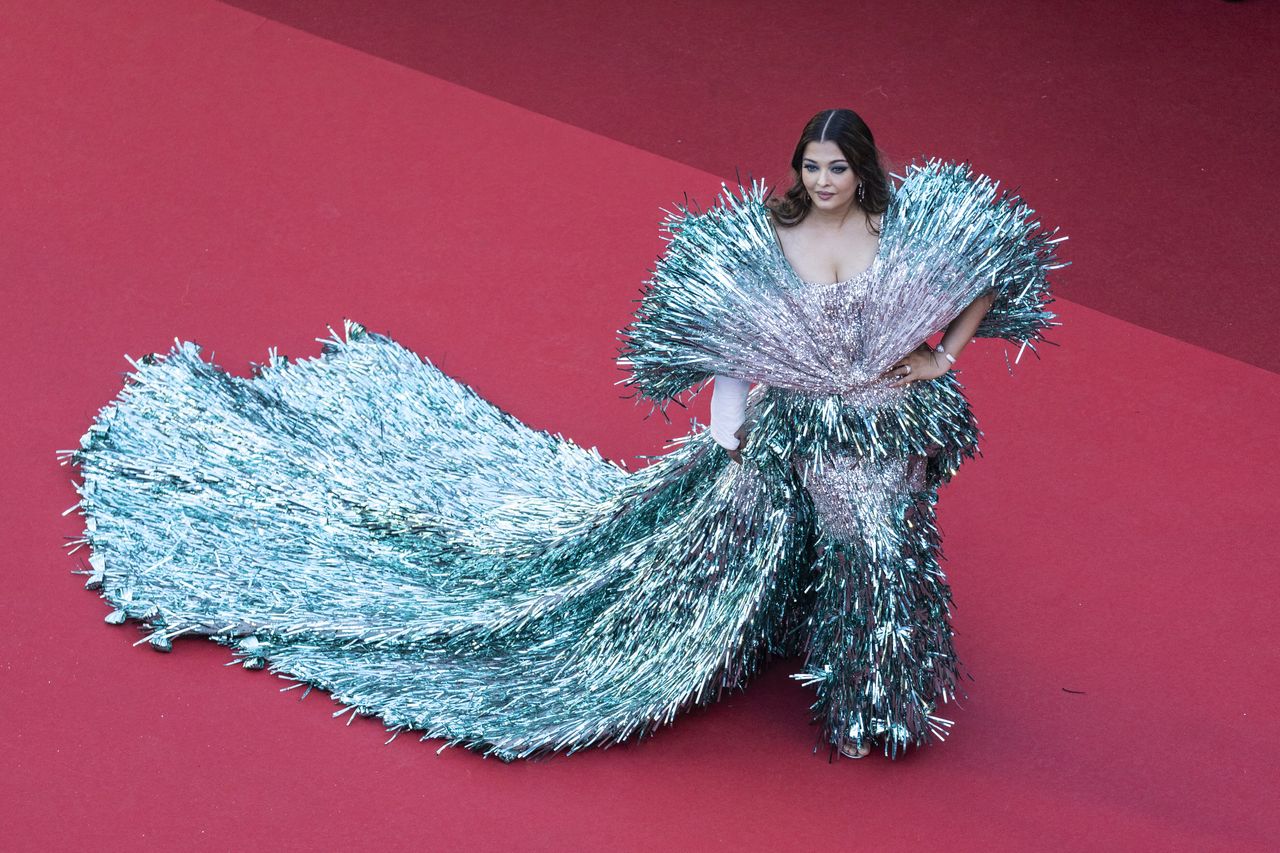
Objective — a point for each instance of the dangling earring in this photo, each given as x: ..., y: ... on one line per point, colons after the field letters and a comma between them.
x: 861, y: 191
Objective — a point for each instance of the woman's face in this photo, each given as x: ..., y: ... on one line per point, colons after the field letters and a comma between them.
x: 827, y: 176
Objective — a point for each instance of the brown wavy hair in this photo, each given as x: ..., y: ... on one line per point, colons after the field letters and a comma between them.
x: 852, y: 136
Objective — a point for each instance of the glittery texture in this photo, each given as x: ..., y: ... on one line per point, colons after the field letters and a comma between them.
x: 364, y: 523
x: 879, y: 648
x: 724, y: 300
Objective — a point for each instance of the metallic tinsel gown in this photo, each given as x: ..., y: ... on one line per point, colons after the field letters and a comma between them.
x: 363, y: 523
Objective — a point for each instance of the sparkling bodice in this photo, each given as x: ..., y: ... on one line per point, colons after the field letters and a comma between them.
x: 840, y: 320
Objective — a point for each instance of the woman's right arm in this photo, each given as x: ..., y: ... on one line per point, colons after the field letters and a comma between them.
x: 728, y: 412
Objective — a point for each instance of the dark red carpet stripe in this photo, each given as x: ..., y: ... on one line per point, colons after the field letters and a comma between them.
x: 1145, y: 129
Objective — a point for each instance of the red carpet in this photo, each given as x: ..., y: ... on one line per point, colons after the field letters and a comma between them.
x: 195, y: 170
x: 1146, y: 124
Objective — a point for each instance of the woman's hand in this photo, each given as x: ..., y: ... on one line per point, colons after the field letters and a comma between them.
x: 741, y: 435
x: 921, y: 363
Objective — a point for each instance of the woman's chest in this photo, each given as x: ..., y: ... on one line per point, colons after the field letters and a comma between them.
x: 822, y: 256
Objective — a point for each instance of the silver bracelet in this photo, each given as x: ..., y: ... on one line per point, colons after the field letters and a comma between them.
x: 948, y: 356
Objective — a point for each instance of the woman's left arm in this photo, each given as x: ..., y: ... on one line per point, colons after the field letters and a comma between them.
x: 924, y: 362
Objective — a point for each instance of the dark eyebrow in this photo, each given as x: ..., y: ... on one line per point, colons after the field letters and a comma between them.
x: 833, y: 162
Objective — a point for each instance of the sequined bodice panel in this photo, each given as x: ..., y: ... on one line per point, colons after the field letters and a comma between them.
x: 841, y: 319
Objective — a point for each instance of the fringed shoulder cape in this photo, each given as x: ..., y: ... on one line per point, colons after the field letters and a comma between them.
x: 363, y: 523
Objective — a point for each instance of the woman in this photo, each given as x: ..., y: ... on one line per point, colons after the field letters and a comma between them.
x: 364, y: 523
x: 826, y: 298
x: 828, y: 229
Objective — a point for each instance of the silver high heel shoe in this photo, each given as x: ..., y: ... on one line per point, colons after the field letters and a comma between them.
x: 849, y: 749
